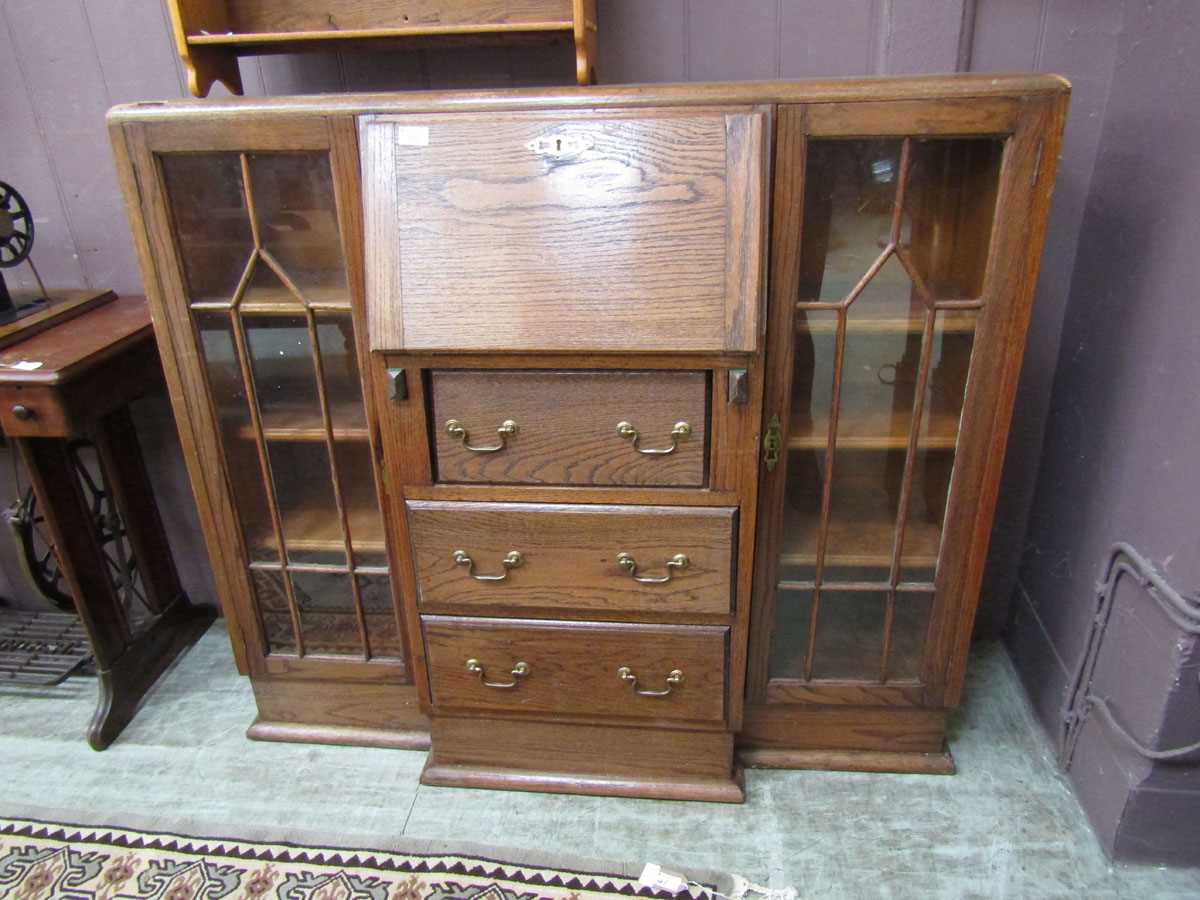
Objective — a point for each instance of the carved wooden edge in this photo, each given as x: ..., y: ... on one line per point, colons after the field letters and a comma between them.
x: 204, y: 66
x: 584, y: 31
x: 846, y: 90
x: 896, y: 762
x: 384, y: 292
x: 1023, y: 207
x: 340, y: 735
x: 708, y: 790
x: 747, y: 161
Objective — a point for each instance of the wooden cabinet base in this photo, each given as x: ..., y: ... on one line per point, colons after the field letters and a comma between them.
x: 846, y: 738
x: 897, y: 761
x: 525, y: 755
x: 331, y: 712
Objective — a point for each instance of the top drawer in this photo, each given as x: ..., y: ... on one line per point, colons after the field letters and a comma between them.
x: 622, y: 230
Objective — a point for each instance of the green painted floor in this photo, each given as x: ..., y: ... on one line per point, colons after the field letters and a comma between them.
x: 1005, y: 826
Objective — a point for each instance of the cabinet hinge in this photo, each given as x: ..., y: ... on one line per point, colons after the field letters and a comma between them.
x: 772, y: 444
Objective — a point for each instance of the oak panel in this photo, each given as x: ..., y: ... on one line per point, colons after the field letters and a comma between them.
x: 567, y: 427
x: 566, y: 231
x: 573, y: 667
x: 569, y: 558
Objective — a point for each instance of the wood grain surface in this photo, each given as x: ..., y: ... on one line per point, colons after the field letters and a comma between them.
x: 569, y: 558
x: 339, y: 15
x: 567, y: 427
x: 573, y: 667
x: 475, y: 241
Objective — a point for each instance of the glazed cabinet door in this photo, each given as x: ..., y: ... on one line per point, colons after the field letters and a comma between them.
x: 254, y: 248
x: 897, y: 320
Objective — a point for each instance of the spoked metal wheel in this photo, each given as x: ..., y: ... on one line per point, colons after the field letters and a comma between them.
x: 36, y: 552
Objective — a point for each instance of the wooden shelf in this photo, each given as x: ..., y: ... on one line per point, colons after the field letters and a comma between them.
x: 304, y: 424
x: 315, y: 529
x: 211, y: 34
x: 279, y: 301
x: 553, y: 29
x: 860, y: 534
x: 876, y: 321
x: 875, y: 430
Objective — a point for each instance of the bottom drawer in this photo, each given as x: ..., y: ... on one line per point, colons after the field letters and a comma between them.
x: 577, y: 668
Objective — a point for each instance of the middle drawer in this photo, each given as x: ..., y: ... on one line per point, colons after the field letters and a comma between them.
x: 639, y: 561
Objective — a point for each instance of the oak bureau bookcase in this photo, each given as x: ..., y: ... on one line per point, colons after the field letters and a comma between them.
x: 606, y: 439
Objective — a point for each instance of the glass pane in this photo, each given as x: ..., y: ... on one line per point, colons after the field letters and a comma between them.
x: 849, y: 639
x: 910, y: 623
x: 237, y: 435
x: 284, y: 377
x: 271, y: 595
x: 335, y: 335
x: 812, y: 379
x: 312, y: 529
x: 850, y: 192
x: 933, y: 467
x: 327, y: 616
x: 297, y: 220
x: 384, y: 634
x: 891, y: 227
x: 212, y: 226
x: 790, y: 640
x: 949, y: 209
x: 362, y: 502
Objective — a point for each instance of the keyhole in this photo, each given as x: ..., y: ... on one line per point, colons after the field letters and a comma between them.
x: 558, y: 145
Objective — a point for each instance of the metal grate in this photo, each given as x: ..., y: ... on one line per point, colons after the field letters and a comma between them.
x: 41, y: 648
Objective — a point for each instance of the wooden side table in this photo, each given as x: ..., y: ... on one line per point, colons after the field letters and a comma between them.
x: 60, y: 391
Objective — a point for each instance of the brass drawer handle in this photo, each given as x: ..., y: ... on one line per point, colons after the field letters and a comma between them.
x: 511, y: 561
x: 674, y: 677
x: 519, y: 671
x: 629, y: 564
x: 506, y: 430
x: 681, y: 430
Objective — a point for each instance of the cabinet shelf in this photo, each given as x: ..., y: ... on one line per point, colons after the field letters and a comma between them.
x: 860, y: 535
x: 874, y: 430
x: 279, y: 301
x: 885, y: 321
x: 303, y: 424
x: 315, y: 529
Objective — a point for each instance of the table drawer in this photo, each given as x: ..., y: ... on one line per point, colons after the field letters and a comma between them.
x: 571, y: 428
x: 569, y: 559
x: 622, y: 230
x: 577, y: 668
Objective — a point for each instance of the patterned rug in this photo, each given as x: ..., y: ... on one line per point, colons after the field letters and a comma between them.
x: 50, y: 860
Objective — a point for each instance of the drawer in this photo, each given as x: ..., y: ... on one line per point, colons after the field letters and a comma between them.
x: 616, y: 230
x: 565, y: 427
x: 569, y: 559
x: 574, y: 668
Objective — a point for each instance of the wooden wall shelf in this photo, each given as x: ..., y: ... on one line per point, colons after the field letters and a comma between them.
x: 210, y: 35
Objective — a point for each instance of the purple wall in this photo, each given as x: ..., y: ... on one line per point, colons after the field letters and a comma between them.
x: 1121, y: 456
